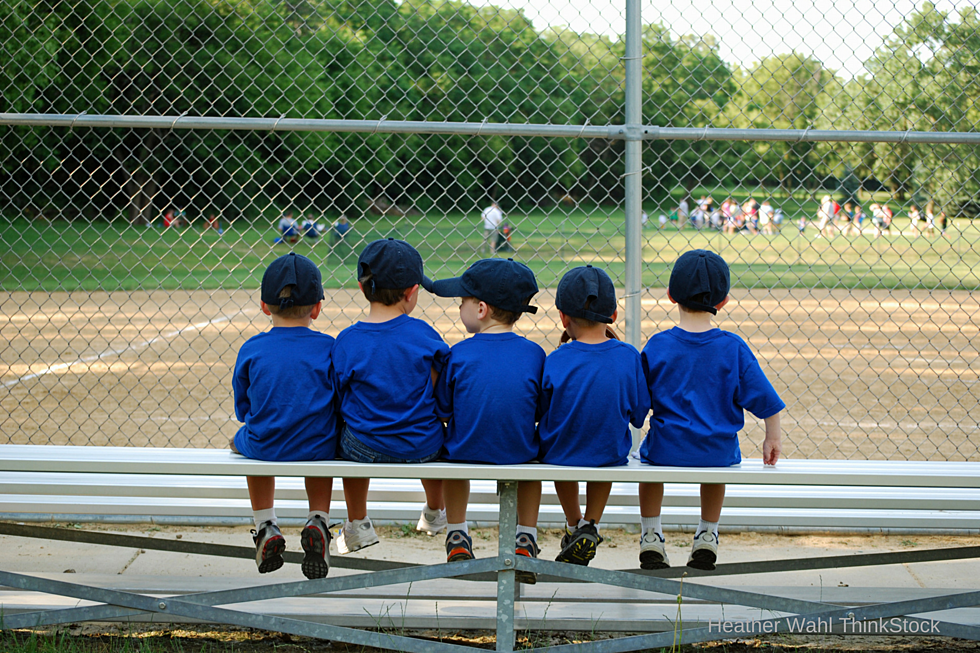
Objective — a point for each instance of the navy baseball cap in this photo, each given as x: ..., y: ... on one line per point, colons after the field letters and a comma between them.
x: 292, y: 270
x: 578, y: 286
x: 698, y: 272
x: 506, y: 284
x: 393, y: 264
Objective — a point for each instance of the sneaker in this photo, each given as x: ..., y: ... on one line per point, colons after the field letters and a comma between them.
x: 653, y: 553
x: 459, y: 546
x: 269, y: 547
x: 356, y: 536
x: 579, y: 547
x: 528, y: 547
x: 315, y: 539
x: 431, y: 523
x: 704, y: 553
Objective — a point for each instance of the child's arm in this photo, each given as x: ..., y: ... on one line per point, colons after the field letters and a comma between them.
x: 772, y: 445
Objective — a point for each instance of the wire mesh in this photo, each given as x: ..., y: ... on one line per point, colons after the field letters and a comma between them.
x: 829, y: 155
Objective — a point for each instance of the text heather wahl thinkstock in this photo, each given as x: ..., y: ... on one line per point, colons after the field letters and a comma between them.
x: 846, y: 625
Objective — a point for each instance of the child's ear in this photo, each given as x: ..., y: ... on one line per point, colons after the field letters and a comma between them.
x: 614, y: 315
x: 482, y: 310
x: 564, y: 320
x: 723, y: 302
x: 265, y: 309
x: 414, y: 290
x: 672, y: 300
x: 315, y: 313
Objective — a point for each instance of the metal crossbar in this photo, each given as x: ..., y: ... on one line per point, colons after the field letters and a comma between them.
x: 203, y: 606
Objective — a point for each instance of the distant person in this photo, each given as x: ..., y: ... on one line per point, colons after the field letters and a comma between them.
x: 312, y: 229
x: 340, y: 229
x: 914, y: 216
x: 881, y: 218
x: 212, y: 223
x: 931, y: 218
x: 683, y: 210
x: 289, y: 229
x: 826, y: 215
x: 492, y: 218
x: 766, y: 215
x: 285, y: 396
x: 700, y: 380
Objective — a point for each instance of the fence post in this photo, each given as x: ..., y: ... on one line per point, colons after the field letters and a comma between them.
x: 634, y: 176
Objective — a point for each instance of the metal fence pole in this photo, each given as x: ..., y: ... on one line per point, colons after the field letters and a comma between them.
x: 634, y: 176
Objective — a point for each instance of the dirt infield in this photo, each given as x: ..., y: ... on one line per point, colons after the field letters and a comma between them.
x: 865, y: 374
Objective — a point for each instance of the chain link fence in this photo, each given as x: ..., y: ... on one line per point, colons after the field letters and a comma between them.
x: 151, y: 149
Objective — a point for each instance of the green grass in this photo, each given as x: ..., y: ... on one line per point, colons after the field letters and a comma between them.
x: 115, y: 256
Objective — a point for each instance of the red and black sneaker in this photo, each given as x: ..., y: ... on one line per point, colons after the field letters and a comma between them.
x: 459, y: 546
x: 527, y: 547
x: 269, y: 547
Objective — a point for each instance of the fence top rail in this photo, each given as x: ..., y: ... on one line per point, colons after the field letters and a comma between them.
x: 134, y: 460
x: 383, y: 126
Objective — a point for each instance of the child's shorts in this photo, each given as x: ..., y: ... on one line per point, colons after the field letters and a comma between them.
x: 354, y: 450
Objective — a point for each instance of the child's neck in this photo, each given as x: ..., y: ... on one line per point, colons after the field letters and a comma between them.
x: 379, y: 312
x: 279, y: 321
x: 695, y: 322
x: 493, y: 326
x: 588, y: 335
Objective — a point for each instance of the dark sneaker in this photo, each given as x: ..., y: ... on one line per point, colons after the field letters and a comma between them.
x: 653, y: 553
x: 579, y: 547
x: 315, y: 539
x: 269, y: 547
x: 704, y: 553
x: 527, y: 547
x: 459, y: 546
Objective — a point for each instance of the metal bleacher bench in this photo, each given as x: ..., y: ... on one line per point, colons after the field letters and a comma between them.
x: 176, y: 475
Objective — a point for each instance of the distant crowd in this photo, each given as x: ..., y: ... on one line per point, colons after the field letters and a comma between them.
x: 832, y: 218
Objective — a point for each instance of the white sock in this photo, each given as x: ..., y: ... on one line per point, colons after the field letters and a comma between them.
x: 262, y: 516
x: 530, y: 530
x: 582, y: 522
x: 358, y: 522
x: 319, y: 513
x: 432, y: 513
x: 707, y: 526
x: 458, y: 527
x: 652, y: 523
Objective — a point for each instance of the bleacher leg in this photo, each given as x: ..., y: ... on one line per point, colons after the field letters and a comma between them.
x: 507, y: 555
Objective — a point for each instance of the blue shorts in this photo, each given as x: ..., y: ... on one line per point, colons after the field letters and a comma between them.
x: 354, y: 450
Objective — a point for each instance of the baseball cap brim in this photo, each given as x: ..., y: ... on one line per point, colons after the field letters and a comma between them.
x: 447, y: 287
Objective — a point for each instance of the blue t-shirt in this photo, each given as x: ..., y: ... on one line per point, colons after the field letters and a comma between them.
x: 285, y: 396
x: 590, y: 394
x: 383, y: 376
x: 699, y: 383
x: 489, y: 393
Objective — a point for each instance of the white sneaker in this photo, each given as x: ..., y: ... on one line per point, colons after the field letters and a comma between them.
x: 431, y: 523
x: 356, y: 535
x: 653, y: 553
x: 704, y: 553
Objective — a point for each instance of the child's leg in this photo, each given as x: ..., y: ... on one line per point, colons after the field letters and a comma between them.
x: 269, y: 543
x: 567, y: 492
x: 261, y: 493
x: 596, y: 497
x: 653, y: 552
x: 712, y: 498
x: 457, y: 495
x: 529, y: 503
x: 704, y: 553
x: 315, y: 537
x: 651, y: 499
x: 355, y: 495
x: 433, y: 494
x: 319, y: 491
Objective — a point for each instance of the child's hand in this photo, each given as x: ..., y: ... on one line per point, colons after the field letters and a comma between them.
x: 772, y: 446
x: 770, y: 451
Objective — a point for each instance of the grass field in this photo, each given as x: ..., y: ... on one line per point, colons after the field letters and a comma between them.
x: 115, y: 256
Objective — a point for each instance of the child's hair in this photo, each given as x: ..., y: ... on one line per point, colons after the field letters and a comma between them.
x: 386, y: 296
x: 293, y: 312
x: 703, y: 298
x: 501, y: 315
